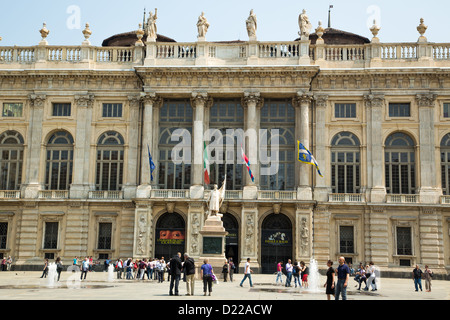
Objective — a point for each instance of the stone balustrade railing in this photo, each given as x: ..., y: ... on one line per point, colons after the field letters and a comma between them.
x: 222, y: 53
x: 277, y: 195
x: 113, y: 195
x: 402, y: 198
x: 53, y: 194
x: 170, y: 193
x: 346, y: 197
x: 9, y: 194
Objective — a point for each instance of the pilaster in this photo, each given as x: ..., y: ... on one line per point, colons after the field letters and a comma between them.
x: 249, y: 235
x: 431, y: 235
x: 143, y: 226
x: 321, y: 188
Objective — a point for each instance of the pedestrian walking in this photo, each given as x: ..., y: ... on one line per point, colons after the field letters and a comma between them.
x: 84, y: 268
x: 343, y: 273
x: 279, y: 272
x: 175, y: 273
x: 162, y: 268
x: 45, y: 269
x: 428, y: 274
x: 232, y: 268
x: 329, y: 284
x: 289, y: 269
x: 59, y: 267
x: 189, y: 271
x: 417, y: 276
x: 206, y: 274
x: 225, y: 271
x: 247, y: 273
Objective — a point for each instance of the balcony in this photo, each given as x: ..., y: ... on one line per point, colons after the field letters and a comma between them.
x: 277, y: 195
x: 54, y: 194
x: 9, y: 194
x: 113, y: 195
x: 445, y: 199
x: 346, y: 197
x: 402, y: 198
x: 169, y: 194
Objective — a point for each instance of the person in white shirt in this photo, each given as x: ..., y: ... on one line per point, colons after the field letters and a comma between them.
x: 289, y: 269
x: 247, y: 273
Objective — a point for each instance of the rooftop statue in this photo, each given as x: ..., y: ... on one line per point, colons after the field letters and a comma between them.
x: 305, y: 25
x: 251, y: 24
x: 202, y: 25
x: 216, y: 199
x: 151, y: 26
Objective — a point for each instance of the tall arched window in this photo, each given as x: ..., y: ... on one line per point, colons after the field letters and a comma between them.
x: 11, y: 160
x: 400, y: 164
x: 59, y: 163
x: 445, y: 164
x: 345, y: 163
x: 110, y: 155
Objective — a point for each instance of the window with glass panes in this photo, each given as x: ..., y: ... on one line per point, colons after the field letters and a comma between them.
x: 104, y: 235
x: 445, y: 164
x: 51, y: 235
x: 446, y: 111
x: 172, y: 173
x: 11, y: 160
x: 109, y: 163
x: 112, y: 110
x: 278, y: 119
x: 345, y: 163
x: 59, y: 164
x: 346, y: 239
x: 345, y: 110
x: 14, y: 110
x: 61, y: 109
x: 227, y: 116
x: 3, y: 234
x: 399, y: 109
x: 404, y: 241
x: 400, y: 164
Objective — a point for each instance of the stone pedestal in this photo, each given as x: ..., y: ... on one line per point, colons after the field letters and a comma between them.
x: 213, y: 244
x: 143, y: 191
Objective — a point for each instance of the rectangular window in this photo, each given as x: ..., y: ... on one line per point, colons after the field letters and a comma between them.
x: 446, y: 110
x: 12, y: 110
x: 104, y: 235
x: 399, y: 109
x: 112, y: 110
x: 345, y: 110
x: 3, y: 234
x: 61, y: 109
x: 346, y: 241
x: 51, y: 235
x: 404, y: 242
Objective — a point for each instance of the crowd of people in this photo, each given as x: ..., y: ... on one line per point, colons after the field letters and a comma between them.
x: 298, y: 271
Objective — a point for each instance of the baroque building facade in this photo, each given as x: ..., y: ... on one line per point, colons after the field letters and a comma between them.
x: 79, y: 122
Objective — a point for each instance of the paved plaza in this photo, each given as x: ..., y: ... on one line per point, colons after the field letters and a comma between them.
x: 19, y: 285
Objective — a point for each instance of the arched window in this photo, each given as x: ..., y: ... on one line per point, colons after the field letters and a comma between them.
x: 445, y: 164
x: 11, y: 160
x: 110, y: 155
x: 59, y: 163
x: 345, y: 163
x: 400, y: 164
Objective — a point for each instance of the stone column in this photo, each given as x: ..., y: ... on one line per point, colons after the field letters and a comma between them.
x: 130, y: 185
x: 143, y: 226
x: 200, y: 101
x: 251, y: 101
x: 302, y: 105
x: 375, y: 152
x: 80, y: 186
x: 149, y: 100
x: 33, y: 183
x: 322, y: 186
x: 429, y: 193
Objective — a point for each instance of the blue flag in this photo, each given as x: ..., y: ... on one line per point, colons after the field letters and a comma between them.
x: 152, y: 165
x: 306, y: 157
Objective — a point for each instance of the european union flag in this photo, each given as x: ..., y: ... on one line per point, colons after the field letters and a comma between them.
x: 306, y: 157
x: 152, y: 165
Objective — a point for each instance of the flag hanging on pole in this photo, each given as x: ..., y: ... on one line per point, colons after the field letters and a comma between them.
x: 206, y: 164
x: 152, y: 165
x: 247, y: 163
x: 306, y: 157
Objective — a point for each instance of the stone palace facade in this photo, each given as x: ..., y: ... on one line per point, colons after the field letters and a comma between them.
x: 78, y: 124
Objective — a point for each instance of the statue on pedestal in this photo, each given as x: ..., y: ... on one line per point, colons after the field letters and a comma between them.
x: 151, y: 26
x: 305, y: 26
x: 216, y: 199
x: 202, y: 25
x: 251, y: 24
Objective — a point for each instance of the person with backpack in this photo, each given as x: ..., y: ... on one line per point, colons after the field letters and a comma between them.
x: 232, y: 268
x: 225, y: 271
x: 296, y: 273
x: 59, y: 267
x: 189, y: 271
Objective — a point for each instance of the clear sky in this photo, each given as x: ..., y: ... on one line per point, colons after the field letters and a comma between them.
x: 20, y: 21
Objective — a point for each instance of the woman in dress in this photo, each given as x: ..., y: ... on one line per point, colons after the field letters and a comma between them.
x: 329, y: 285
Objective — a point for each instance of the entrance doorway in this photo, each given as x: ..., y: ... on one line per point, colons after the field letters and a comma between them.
x: 169, y: 236
x: 276, y: 242
x: 232, y: 239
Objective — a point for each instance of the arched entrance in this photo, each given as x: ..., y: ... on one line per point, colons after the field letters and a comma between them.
x: 169, y: 236
x: 232, y: 239
x: 276, y: 241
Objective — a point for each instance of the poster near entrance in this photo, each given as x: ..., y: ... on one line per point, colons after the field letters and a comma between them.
x: 169, y: 236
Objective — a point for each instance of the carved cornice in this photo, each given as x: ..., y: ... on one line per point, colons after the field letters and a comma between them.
x: 321, y: 100
x: 374, y: 100
x: 426, y: 100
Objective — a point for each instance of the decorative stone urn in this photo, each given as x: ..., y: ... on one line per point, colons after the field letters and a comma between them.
x: 44, y: 33
x: 87, y: 33
x: 422, y: 28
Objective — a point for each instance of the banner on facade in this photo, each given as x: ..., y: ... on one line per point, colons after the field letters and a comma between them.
x: 277, y: 238
x: 170, y: 237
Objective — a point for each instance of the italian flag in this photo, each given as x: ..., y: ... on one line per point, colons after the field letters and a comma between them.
x: 206, y: 164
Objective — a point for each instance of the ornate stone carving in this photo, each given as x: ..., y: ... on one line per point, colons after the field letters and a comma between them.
x: 374, y: 101
x: 320, y: 31
x: 251, y: 24
x: 201, y: 98
x: 142, y: 231
x: 249, y: 231
x: 252, y: 97
x: 422, y: 28
x: 44, y: 33
x: 37, y: 100
x: 140, y: 34
x: 195, y: 225
x: 304, y: 237
x: 151, y: 26
x: 321, y: 100
x: 150, y: 97
x: 170, y: 207
x: 302, y: 98
x: 426, y: 100
x: 276, y: 208
x: 87, y: 33
x: 84, y: 101
x: 305, y: 25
